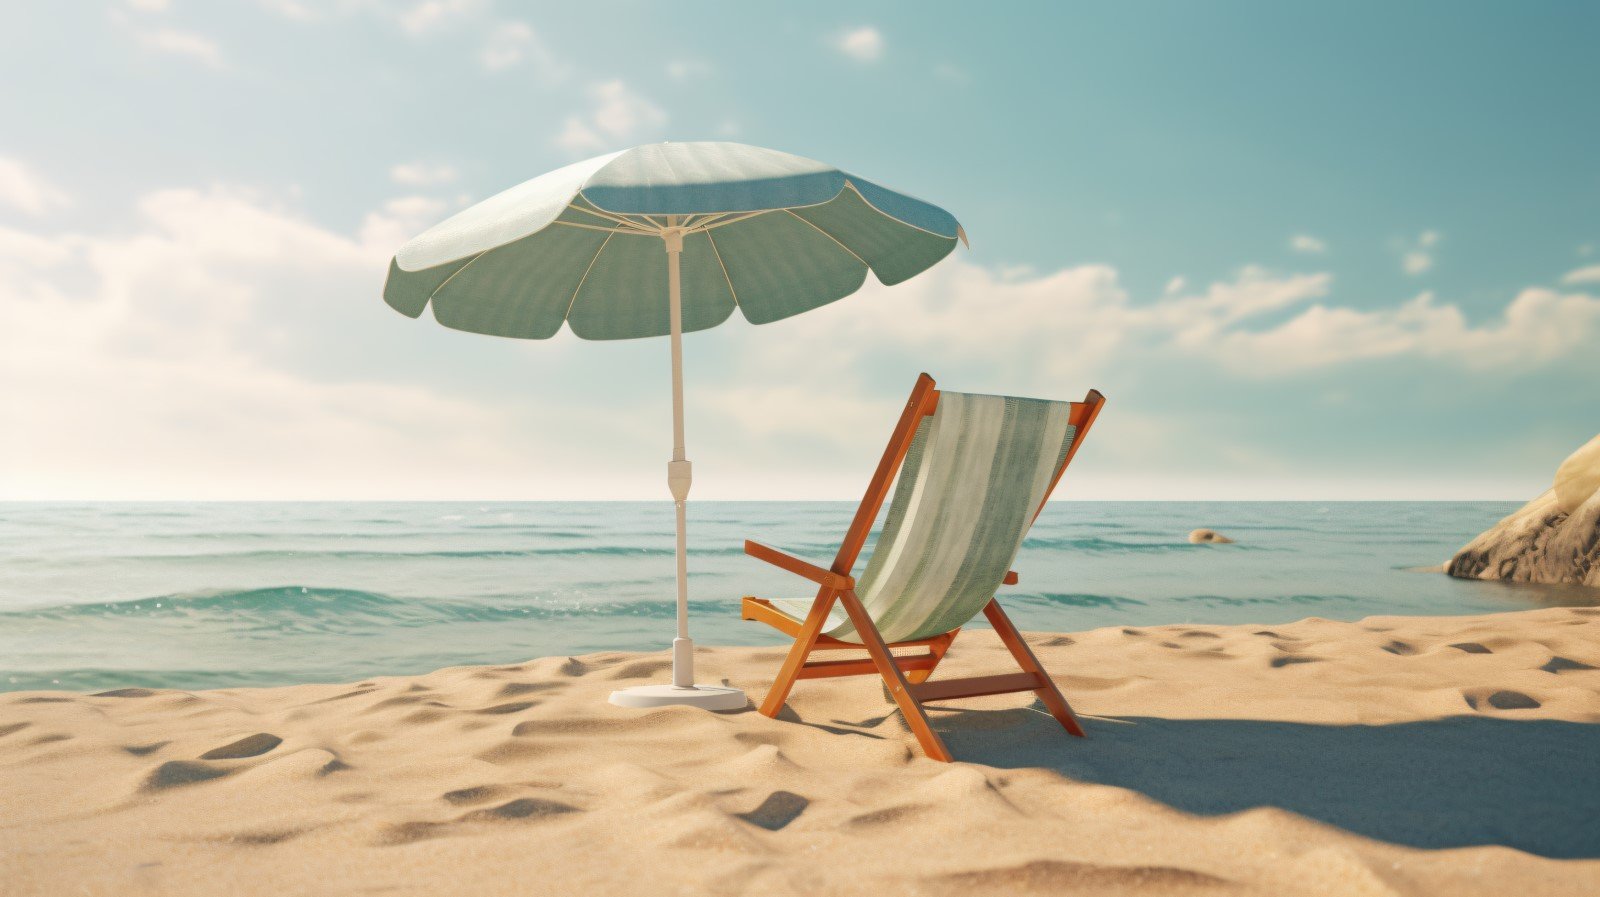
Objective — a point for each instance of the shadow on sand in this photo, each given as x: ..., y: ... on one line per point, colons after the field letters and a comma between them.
x: 1462, y: 781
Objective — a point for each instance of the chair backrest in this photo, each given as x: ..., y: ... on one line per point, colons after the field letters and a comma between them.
x: 975, y: 474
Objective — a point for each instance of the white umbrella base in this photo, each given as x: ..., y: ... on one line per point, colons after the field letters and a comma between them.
x: 708, y: 697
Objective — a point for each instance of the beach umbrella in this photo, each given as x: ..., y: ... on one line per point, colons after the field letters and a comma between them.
x: 660, y: 240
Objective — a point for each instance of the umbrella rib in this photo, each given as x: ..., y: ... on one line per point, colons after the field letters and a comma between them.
x: 745, y: 217
x: 453, y: 274
x: 585, y: 278
x: 857, y: 191
x: 720, y: 264
x: 831, y: 237
x: 619, y: 219
x: 633, y: 231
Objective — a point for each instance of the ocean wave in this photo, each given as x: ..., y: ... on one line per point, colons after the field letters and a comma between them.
x: 347, y: 554
x: 286, y: 604
x: 1072, y: 599
x: 1095, y: 543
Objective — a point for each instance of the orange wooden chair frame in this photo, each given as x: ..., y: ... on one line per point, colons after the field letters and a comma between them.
x: 905, y: 676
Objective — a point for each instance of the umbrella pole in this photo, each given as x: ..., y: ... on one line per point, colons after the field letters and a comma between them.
x: 680, y: 473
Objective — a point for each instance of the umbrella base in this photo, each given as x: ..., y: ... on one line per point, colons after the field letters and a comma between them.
x: 708, y: 697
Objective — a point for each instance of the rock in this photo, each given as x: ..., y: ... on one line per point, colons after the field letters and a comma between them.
x: 1208, y: 536
x: 1540, y: 542
x: 1578, y: 477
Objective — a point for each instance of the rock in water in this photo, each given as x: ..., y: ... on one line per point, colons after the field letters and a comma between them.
x: 1204, y: 536
x: 1543, y: 541
x: 1578, y: 477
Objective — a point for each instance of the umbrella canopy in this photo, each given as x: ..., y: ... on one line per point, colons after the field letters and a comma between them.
x: 766, y: 232
x: 659, y: 240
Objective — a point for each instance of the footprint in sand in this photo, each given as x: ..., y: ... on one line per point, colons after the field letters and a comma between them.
x: 1400, y: 648
x: 1503, y: 699
x: 1564, y: 665
x: 175, y: 773
x: 261, y: 839
x: 144, y: 750
x: 13, y: 727
x: 124, y: 693
x: 1471, y: 648
x: 248, y: 746
x: 523, y: 808
x: 513, y: 707
x: 874, y: 818
x: 778, y: 810
x: 474, y: 795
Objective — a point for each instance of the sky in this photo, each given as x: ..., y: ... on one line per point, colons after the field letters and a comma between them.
x: 1349, y: 251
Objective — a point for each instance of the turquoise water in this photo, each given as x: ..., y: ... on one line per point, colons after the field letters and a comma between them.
x: 99, y: 596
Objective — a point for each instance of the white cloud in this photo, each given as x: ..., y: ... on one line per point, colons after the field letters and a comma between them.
x: 178, y: 42
x: 1307, y: 244
x: 153, y: 365
x: 864, y: 44
x: 512, y: 44
x: 400, y: 219
x: 149, y: 5
x: 1590, y: 274
x: 618, y: 117
x: 1416, y: 257
x: 959, y: 313
x: 25, y: 190
x: 577, y: 137
x: 1537, y: 327
x: 430, y: 15
x: 952, y: 74
x: 422, y: 174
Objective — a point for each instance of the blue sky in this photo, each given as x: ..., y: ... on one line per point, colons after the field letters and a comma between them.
x: 1350, y: 252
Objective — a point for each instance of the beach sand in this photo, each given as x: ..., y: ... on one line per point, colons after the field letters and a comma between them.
x: 1389, y: 756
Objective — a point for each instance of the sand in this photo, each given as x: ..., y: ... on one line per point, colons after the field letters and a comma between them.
x: 1390, y: 756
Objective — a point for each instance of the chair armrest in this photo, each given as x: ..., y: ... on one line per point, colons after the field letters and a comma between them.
x: 794, y: 565
x: 1011, y: 578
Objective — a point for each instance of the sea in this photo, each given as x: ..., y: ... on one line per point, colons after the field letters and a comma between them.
x: 201, y: 595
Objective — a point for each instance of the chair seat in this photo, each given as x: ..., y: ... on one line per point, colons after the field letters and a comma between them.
x: 797, y: 608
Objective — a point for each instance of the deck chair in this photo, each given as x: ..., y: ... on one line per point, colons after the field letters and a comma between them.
x: 975, y: 471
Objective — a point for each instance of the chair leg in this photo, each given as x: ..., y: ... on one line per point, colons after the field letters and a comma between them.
x: 938, y: 649
x: 899, y: 689
x: 804, y: 641
x: 1048, y: 693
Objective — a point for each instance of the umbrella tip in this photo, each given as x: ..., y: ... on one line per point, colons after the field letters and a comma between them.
x: 962, y: 233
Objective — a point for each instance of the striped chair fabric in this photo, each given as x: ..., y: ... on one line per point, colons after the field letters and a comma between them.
x: 973, y: 479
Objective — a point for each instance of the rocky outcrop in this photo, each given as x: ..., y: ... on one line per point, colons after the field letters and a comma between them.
x: 1578, y: 477
x: 1553, y: 539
